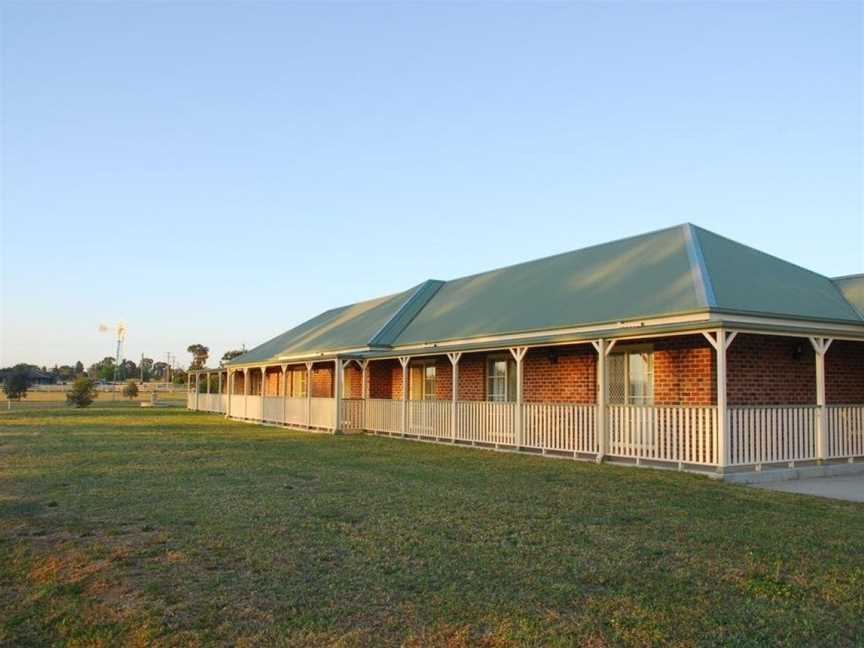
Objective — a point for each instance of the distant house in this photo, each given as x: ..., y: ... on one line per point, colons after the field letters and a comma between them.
x: 678, y: 347
x: 35, y: 376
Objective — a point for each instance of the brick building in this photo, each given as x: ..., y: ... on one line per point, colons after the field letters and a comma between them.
x: 674, y: 347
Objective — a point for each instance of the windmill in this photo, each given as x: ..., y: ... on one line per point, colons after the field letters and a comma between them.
x: 121, y: 338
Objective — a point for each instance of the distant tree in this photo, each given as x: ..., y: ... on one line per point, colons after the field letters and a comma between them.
x: 128, y: 369
x: 106, y: 373
x: 146, y: 369
x: 230, y: 355
x: 82, y: 393
x: 200, y: 353
x: 79, y: 368
x: 130, y: 391
x: 65, y: 373
x: 16, y: 383
x: 179, y: 377
x: 160, y: 370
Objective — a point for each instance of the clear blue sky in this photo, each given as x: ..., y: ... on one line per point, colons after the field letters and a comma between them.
x: 218, y: 172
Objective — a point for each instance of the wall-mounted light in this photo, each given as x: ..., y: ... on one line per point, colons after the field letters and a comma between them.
x: 798, y: 352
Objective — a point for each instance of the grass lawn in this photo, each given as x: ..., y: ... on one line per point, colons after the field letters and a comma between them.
x: 165, y: 527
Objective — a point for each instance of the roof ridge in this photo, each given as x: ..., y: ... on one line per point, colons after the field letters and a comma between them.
x: 701, y: 276
x: 858, y: 275
x: 406, y: 313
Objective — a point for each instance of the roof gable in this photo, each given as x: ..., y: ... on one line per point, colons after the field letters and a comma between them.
x: 852, y: 287
x: 746, y: 280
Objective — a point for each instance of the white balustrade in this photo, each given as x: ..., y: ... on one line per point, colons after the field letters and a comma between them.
x: 486, y: 422
x: 429, y: 418
x: 351, y: 417
x: 383, y: 415
x: 772, y: 434
x: 681, y: 434
x: 565, y: 427
x: 845, y: 431
x: 321, y: 413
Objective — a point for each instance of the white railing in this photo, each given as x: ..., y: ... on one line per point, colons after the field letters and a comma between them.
x: 845, y: 431
x: 383, y: 415
x: 772, y: 434
x: 190, y: 401
x: 430, y: 418
x: 210, y: 403
x: 295, y: 411
x: 254, y: 409
x: 273, y: 409
x: 560, y: 426
x: 351, y: 417
x: 683, y: 434
x: 486, y: 422
x: 321, y: 412
x: 238, y: 406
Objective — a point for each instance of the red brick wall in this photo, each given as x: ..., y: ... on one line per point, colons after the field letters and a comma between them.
x: 381, y: 378
x: 771, y: 370
x: 322, y: 380
x: 472, y: 376
x: 844, y: 373
x: 353, y: 387
x: 684, y: 371
x: 560, y: 374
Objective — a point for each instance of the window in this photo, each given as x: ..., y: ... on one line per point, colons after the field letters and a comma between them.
x: 298, y: 383
x: 500, y: 379
x: 631, y: 378
x: 424, y: 379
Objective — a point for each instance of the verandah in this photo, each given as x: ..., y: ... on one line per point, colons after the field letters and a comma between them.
x: 635, y: 428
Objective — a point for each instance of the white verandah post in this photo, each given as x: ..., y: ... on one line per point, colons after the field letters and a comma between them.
x: 197, y: 388
x: 219, y: 388
x: 364, y: 389
x: 404, y: 360
x: 603, y: 347
x: 284, y: 394
x: 308, y: 394
x: 454, y: 362
x: 518, y: 355
x: 820, y: 346
x: 338, y: 372
x: 245, y: 392
x: 721, y: 340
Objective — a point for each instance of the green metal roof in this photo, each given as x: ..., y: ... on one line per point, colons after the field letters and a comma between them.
x: 682, y: 269
x: 346, y: 327
x: 639, y: 277
x: 852, y: 287
x: 746, y: 280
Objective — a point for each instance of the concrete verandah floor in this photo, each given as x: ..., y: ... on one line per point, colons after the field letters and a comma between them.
x: 844, y: 487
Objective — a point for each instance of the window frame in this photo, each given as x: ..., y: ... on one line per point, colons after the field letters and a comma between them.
x: 626, y: 352
x: 509, y: 380
x: 422, y: 367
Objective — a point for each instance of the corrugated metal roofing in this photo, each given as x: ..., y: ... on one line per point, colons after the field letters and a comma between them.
x: 682, y: 269
x: 346, y: 327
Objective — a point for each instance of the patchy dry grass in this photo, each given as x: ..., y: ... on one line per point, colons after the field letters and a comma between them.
x: 164, y: 527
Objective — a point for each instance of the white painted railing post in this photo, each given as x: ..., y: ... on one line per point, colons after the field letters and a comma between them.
x: 364, y: 391
x: 820, y: 346
x: 228, y: 392
x: 308, y: 394
x: 197, y: 388
x: 338, y: 369
x: 404, y: 360
x: 603, y: 347
x: 245, y: 391
x: 721, y: 340
x: 518, y: 355
x: 454, y: 363
x: 284, y: 394
x: 219, y: 388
